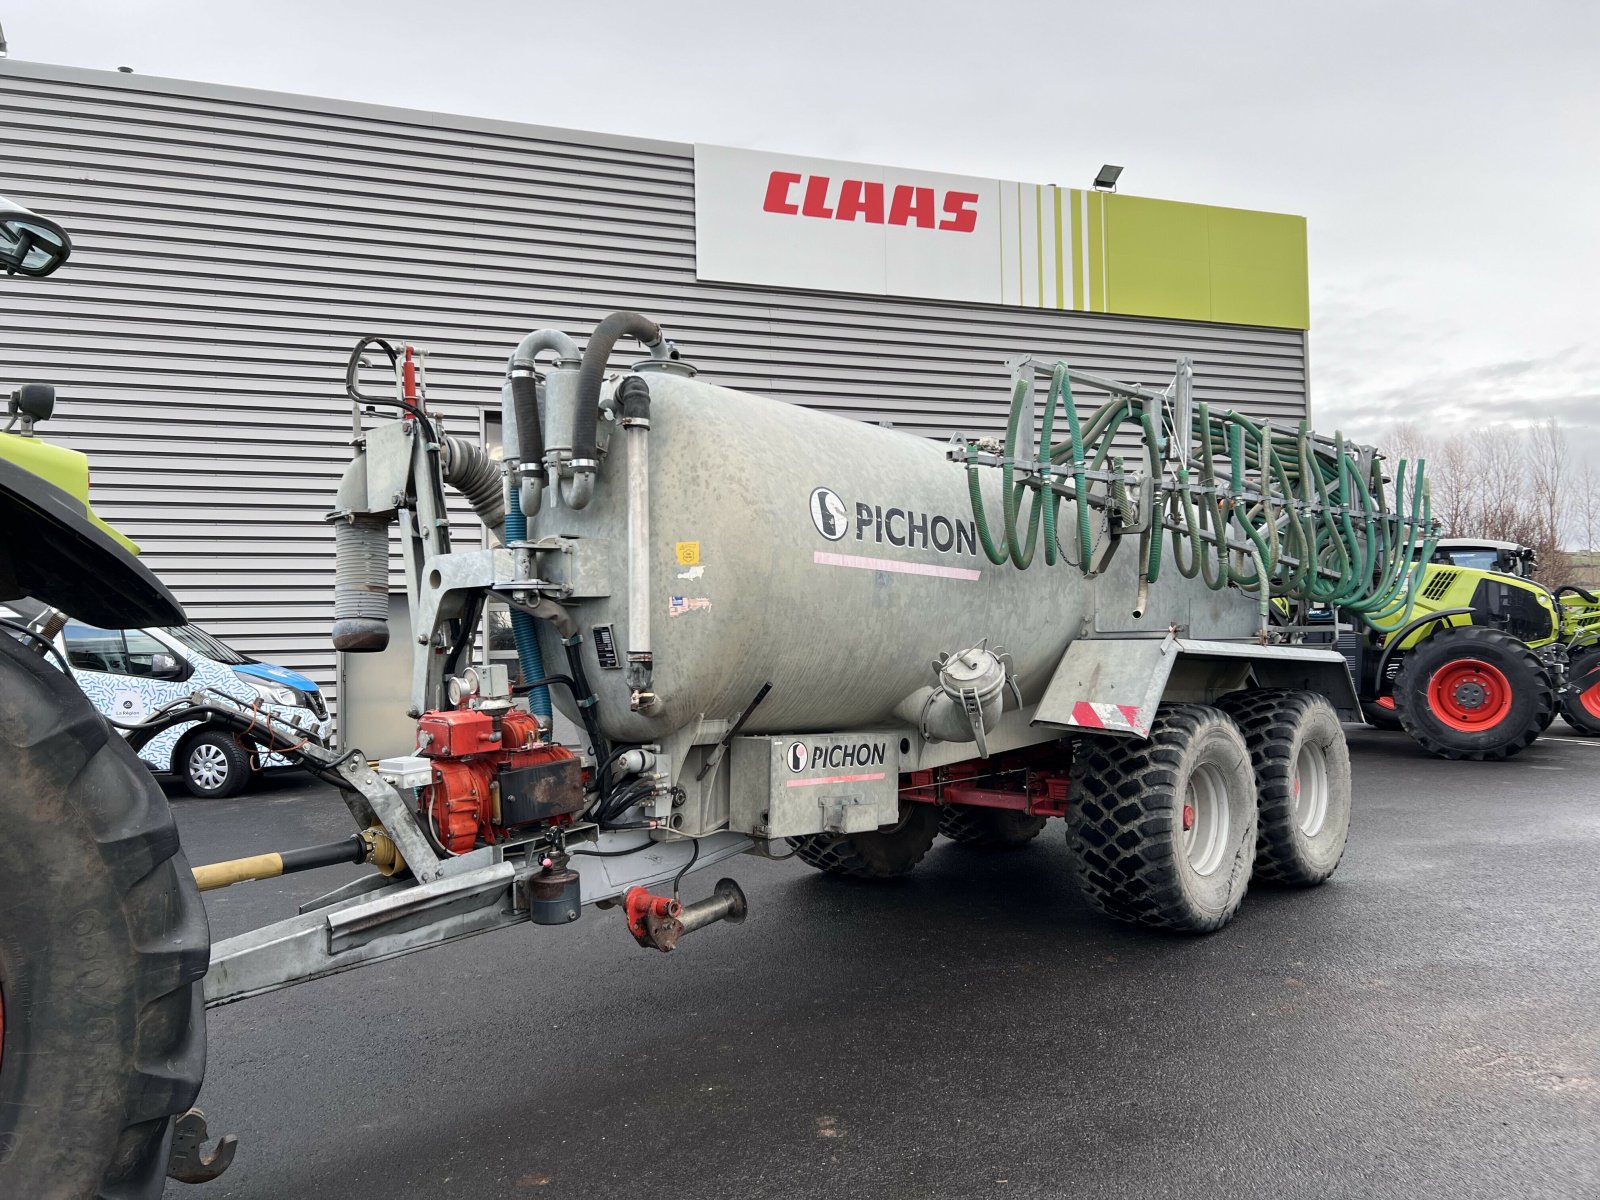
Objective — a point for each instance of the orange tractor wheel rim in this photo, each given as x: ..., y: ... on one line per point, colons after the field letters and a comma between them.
x: 1470, y: 695
x: 1590, y: 700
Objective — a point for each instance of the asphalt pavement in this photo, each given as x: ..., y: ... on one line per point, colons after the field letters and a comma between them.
x: 1425, y: 1025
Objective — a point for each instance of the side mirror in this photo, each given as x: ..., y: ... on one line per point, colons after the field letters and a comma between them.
x: 165, y: 666
x: 30, y: 244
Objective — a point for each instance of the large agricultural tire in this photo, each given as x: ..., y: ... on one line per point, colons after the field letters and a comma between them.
x: 1581, y: 711
x: 878, y: 854
x: 1302, y: 768
x: 988, y: 828
x: 1163, y: 832
x: 1474, y: 693
x: 103, y: 942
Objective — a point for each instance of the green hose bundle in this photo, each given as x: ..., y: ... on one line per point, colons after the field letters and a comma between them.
x: 1246, y: 505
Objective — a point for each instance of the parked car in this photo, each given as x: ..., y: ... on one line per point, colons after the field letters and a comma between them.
x: 128, y: 674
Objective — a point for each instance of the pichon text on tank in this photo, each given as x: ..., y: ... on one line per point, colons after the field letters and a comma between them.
x: 896, y: 526
x: 832, y: 756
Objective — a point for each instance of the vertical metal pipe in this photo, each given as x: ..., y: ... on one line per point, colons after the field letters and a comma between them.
x: 641, y: 660
x: 634, y: 393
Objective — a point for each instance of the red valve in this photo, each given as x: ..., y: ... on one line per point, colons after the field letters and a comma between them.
x: 408, y: 375
x: 653, y: 920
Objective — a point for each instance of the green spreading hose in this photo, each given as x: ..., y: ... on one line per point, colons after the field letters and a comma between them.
x: 1283, y: 515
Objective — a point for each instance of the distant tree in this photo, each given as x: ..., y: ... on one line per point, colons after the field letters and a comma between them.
x: 1509, y: 483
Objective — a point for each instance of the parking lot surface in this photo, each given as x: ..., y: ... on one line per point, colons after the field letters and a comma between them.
x: 1426, y: 1025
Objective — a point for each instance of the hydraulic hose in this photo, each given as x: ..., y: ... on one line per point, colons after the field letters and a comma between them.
x: 525, y: 631
x: 591, y: 372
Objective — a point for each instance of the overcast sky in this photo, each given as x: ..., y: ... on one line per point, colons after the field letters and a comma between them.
x: 1446, y: 155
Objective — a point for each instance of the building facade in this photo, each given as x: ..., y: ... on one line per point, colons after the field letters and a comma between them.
x: 231, y: 245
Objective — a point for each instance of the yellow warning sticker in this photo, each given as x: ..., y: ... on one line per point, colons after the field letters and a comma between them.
x: 688, y: 554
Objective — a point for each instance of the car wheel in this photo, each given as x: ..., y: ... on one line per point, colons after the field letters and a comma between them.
x: 215, y: 765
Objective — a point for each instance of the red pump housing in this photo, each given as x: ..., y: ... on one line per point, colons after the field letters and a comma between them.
x: 492, y: 774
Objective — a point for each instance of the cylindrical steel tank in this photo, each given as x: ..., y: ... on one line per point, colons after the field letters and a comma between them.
x: 835, y: 560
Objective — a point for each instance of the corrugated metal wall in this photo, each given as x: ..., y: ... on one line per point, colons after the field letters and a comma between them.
x: 230, y: 245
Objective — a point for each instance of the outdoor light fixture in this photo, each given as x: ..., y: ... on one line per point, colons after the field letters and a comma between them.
x: 1106, y: 181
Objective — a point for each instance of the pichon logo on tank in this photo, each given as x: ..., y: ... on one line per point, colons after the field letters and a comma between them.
x: 832, y: 756
x: 836, y: 520
x: 796, y: 195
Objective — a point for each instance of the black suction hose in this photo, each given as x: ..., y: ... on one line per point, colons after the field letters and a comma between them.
x: 530, y: 430
x: 592, y: 371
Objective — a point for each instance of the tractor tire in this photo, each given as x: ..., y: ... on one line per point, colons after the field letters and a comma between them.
x: 988, y: 828
x: 1582, y: 711
x: 1163, y: 832
x: 1380, y: 716
x: 213, y: 764
x: 879, y: 854
x: 103, y: 942
x: 1302, y: 767
x: 1474, y: 693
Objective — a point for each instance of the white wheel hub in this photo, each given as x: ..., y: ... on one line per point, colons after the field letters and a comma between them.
x: 1310, y: 789
x: 1207, y: 818
x: 208, y: 766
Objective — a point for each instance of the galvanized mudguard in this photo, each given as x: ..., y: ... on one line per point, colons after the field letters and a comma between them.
x: 1113, y: 685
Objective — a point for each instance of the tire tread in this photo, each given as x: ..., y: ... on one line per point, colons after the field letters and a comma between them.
x: 127, y: 820
x: 1120, y: 823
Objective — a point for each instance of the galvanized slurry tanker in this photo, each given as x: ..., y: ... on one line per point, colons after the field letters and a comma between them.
x: 783, y: 632
x: 777, y: 625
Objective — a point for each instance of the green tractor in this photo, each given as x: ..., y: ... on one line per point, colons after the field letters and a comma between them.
x: 103, y: 939
x: 1488, y: 659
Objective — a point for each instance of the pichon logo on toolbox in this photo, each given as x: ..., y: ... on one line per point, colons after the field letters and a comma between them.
x: 791, y: 194
x: 897, y: 526
x: 834, y: 755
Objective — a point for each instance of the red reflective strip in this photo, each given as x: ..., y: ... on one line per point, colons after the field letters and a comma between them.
x: 1130, y: 713
x: 1083, y: 713
x: 835, y: 779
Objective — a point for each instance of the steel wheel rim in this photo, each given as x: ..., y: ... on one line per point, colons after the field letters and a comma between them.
x: 1310, y: 789
x: 1470, y: 695
x: 1208, y: 817
x: 208, y: 766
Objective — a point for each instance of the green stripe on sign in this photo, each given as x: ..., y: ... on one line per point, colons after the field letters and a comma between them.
x: 1097, y: 225
x: 1060, y: 266
x: 1020, y: 297
x: 1074, y: 197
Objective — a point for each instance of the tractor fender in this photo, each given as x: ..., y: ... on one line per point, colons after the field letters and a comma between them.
x: 54, y: 552
x: 1392, y: 642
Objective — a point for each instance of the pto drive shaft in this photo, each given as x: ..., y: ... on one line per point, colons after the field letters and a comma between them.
x: 352, y: 849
